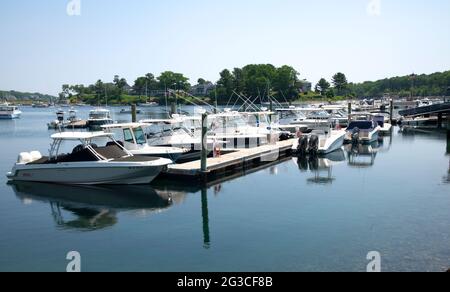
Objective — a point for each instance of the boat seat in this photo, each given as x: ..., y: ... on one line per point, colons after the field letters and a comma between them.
x: 111, y: 152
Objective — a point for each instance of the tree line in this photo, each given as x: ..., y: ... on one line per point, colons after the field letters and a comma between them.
x: 257, y: 82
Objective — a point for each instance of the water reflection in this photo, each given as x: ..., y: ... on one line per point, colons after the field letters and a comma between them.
x: 322, y: 167
x: 362, y: 156
x: 448, y: 142
x: 88, y: 208
x: 7, y: 127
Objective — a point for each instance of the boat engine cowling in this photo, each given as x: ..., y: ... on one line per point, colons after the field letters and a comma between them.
x: 313, y: 144
x: 355, y: 135
x: 302, y: 147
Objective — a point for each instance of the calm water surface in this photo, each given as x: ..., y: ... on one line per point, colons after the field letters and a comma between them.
x: 322, y: 215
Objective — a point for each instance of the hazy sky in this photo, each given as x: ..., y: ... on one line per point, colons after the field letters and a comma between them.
x: 42, y: 47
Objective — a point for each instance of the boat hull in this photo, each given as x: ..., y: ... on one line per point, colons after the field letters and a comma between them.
x: 371, y: 137
x: 9, y: 116
x: 335, y: 145
x: 97, y: 124
x: 87, y: 175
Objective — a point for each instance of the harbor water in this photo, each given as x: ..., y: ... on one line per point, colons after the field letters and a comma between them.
x: 322, y: 214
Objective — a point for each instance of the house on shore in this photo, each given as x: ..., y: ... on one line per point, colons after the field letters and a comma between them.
x: 203, y: 89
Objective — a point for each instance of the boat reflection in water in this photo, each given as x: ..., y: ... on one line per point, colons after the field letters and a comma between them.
x: 321, y: 166
x: 362, y: 156
x: 92, y: 207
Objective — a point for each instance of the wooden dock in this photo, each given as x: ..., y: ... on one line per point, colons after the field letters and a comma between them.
x: 241, y: 159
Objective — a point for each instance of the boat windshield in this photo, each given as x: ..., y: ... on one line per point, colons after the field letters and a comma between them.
x: 140, y: 136
x: 362, y: 125
x: 319, y: 115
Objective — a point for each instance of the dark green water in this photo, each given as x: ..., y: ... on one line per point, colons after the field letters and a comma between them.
x: 321, y: 215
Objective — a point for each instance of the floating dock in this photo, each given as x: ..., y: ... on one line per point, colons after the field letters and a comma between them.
x: 238, y: 160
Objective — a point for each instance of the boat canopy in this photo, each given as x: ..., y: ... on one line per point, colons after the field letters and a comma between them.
x: 124, y: 126
x: 74, y: 136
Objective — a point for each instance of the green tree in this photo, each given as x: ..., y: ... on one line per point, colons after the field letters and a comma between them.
x: 225, y: 86
x: 143, y: 85
x: 258, y: 79
x: 175, y: 81
x: 286, y: 82
x: 340, y: 83
x: 238, y: 80
x: 330, y: 93
x: 322, y: 87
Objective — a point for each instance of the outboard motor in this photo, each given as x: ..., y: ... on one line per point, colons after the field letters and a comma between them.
x: 314, y: 145
x: 355, y: 135
x: 302, y: 147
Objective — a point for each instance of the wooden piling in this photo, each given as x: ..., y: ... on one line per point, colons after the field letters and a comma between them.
x: 349, y: 111
x: 391, y: 111
x: 439, y: 121
x: 173, y: 108
x: 204, y: 153
x: 133, y: 113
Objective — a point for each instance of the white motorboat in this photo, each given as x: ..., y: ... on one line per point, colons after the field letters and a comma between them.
x: 289, y: 116
x: 173, y: 133
x: 385, y: 127
x: 73, y: 118
x: 234, y: 130
x: 135, y: 141
x: 320, y: 141
x: 9, y: 112
x: 362, y: 129
x: 339, y: 116
x: 99, y: 117
x: 59, y: 122
x: 87, y: 164
x: 149, y: 104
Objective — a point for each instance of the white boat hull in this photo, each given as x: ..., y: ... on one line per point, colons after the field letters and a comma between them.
x: 87, y: 174
x: 333, y: 144
x: 10, y: 116
x: 364, y: 139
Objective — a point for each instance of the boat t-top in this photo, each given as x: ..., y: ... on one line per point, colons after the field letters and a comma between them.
x: 9, y: 112
x: 135, y: 141
x: 87, y: 163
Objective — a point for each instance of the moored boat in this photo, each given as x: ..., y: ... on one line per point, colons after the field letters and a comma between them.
x: 9, y: 112
x: 87, y: 164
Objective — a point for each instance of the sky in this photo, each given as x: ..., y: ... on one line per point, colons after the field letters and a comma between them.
x: 47, y: 43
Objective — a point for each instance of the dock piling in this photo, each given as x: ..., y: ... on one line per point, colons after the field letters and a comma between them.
x: 439, y: 122
x: 349, y: 111
x: 391, y: 110
x: 133, y: 113
x: 204, y: 154
x: 173, y: 108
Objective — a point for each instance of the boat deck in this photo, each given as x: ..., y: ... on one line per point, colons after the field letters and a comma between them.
x: 227, y: 162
